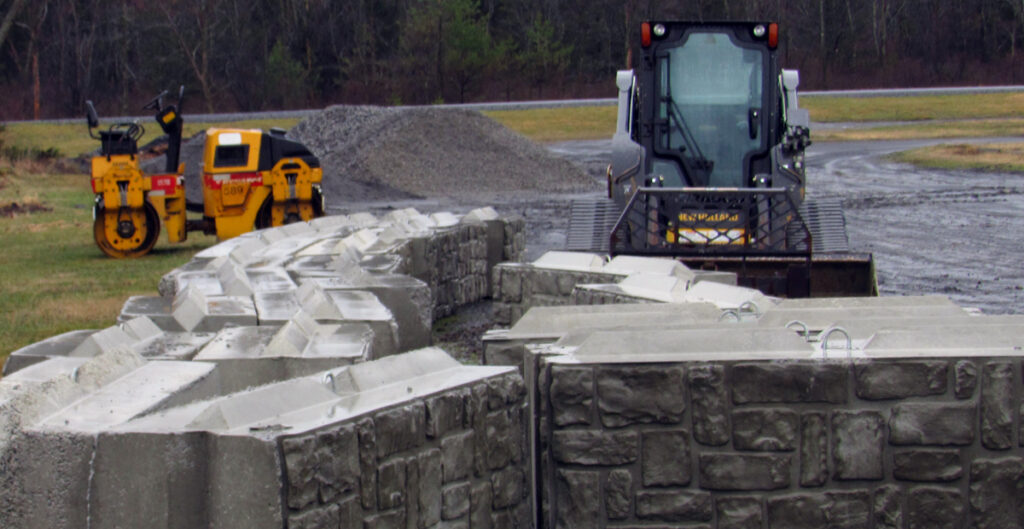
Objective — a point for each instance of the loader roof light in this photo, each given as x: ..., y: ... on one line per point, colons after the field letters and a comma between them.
x: 773, y: 35
x: 645, y: 34
x: 659, y: 30
x: 229, y: 138
x: 759, y: 31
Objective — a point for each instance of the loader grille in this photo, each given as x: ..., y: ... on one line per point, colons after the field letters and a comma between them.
x: 711, y: 222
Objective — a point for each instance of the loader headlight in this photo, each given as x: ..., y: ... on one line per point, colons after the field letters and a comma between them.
x: 659, y: 30
x: 759, y: 31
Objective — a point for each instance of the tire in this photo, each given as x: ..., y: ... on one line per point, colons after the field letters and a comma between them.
x: 133, y: 246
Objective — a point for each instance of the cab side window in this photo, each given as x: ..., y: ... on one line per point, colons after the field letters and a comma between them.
x: 231, y: 156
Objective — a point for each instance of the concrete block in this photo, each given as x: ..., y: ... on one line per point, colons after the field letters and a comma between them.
x: 142, y: 391
x: 727, y: 297
x: 173, y: 345
x: 246, y: 249
x: 157, y: 308
x: 631, y: 264
x: 43, y: 369
x: 664, y: 288
x: 234, y: 280
x: 574, y: 261
x: 481, y: 215
x: 269, y: 280
x: 106, y: 340
x: 54, y: 347
x: 950, y: 340
x: 275, y: 308
x: 197, y: 312
x: 205, y: 281
x: 360, y: 240
x: 225, y: 248
x: 444, y: 219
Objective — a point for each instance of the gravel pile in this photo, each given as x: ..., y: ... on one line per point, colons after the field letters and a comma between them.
x: 380, y: 153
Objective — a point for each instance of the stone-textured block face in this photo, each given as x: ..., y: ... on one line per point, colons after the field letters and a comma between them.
x: 572, y: 395
x: 869, y: 444
x: 739, y: 513
x: 578, y: 498
x: 965, y: 379
x: 618, y: 494
x: 932, y: 424
x: 429, y: 463
x: 997, y: 486
x: 727, y: 472
x: 997, y: 406
x: 674, y: 506
x: 934, y: 508
x: 444, y: 414
x: 789, y: 383
x: 648, y: 394
x: 455, y: 501
x: 504, y: 433
x: 899, y: 380
x: 710, y: 403
x: 666, y: 458
x: 391, y: 484
x: 596, y: 447
x: 927, y: 465
x: 846, y: 510
x: 857, y: 442
x: 767, y: 429
x: 300, y: 460
x: 400, y: 429
x: 507, y: 487
x: 454, y: 450
x: 337, y: 471
x: 888, y: 513
x: 390, y: 470
x: 813, y: 450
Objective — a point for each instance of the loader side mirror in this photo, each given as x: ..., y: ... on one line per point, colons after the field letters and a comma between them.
x: 90, y: 115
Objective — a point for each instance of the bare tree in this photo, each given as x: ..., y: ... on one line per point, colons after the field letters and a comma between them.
x: 9, y: 18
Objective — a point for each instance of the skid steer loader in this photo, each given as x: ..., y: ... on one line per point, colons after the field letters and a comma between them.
x: 251, y: 180
x: 708, y: 167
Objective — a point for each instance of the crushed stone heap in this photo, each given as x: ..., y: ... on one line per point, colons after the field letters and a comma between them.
x: 386, y: 153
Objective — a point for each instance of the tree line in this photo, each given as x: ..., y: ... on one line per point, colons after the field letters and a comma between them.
x: 280, y: 54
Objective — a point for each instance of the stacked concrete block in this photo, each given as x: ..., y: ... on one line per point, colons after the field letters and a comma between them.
x: 196, y: 409
x: 575, y: 278
x: 562, y: 325
x: 375, y: 443
x: 916, y: 423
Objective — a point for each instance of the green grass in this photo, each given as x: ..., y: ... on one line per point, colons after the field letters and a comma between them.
x: 559, y: 124
x: 981, y: 128
x: 54, y: 278
x: 996, y: 157
x: 72, y: 139
x: 917, y: 108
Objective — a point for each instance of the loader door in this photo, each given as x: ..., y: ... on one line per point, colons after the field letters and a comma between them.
x: 711, y: 118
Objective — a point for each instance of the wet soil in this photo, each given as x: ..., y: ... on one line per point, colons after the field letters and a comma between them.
x: 955, y: 233
x: 12, y: 209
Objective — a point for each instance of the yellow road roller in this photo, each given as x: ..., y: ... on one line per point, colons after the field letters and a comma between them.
x: 251, y: 180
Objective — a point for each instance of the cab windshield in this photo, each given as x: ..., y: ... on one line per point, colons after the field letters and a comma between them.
x: 710, y: 97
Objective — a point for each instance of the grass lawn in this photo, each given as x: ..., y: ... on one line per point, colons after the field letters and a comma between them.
x: 54, y: 278
x: 999, y: 157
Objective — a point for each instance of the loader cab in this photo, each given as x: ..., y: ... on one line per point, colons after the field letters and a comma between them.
x: 709, y: 103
